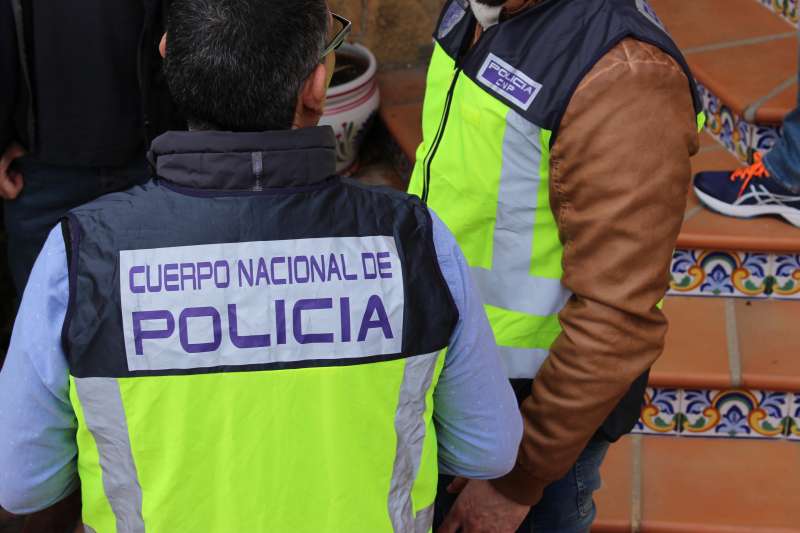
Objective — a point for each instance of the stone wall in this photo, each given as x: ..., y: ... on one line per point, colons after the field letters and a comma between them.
x: 397, y: 31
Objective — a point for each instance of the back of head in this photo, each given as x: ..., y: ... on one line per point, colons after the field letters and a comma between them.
x: 239, y: 65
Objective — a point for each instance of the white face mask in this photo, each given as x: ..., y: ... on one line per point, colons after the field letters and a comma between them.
x: 487, y: 16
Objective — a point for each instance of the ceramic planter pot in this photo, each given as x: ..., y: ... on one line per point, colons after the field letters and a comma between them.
x: 353, y: 101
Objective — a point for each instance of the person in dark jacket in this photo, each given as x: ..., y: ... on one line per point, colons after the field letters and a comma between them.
x: 79, y: 103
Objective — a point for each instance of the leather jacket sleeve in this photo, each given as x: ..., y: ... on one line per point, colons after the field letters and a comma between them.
x: 620, y: 172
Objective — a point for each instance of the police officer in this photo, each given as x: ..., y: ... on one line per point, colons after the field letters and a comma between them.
x: 564, y: 128
x: 249, y: 342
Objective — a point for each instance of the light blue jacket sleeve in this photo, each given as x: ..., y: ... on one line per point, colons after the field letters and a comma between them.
x: 37, y: 424
x: 478, y: 423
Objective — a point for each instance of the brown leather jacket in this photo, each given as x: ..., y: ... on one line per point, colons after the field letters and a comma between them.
x: 620, y: 173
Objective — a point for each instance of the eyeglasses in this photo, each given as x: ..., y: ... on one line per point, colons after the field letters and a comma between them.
x: 341, y: 35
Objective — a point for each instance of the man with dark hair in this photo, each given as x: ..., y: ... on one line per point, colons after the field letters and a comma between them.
x: 564, y: 128
x: 251, y: 343
x: 82, y: 92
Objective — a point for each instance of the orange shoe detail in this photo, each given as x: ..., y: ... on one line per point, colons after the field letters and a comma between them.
x: 746, y: 174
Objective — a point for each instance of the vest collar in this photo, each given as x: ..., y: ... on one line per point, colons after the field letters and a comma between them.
x: 217, y: 160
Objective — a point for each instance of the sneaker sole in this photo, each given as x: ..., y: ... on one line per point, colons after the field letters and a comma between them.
x: 791, y: 215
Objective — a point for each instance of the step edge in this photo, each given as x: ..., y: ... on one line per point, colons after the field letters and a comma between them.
x: 661, y: 526
x: 769, y: 382
x: 690, y: 240
x: 610, y: 525
x: 717, y: 384
x: 716, y: 88
x: 737, y: 106
x: 674, y: 380
x: 770, y: 116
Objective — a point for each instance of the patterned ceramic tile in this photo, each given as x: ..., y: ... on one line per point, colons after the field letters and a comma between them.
x: 734, y: 414
x: 660, y: 413
x: 788, y: 9
x: 731, y: 130
x: 793, y: 421
x: 786, y: 273
x: 764, y: 137
x: 725, y: 125
x: 710, y: 273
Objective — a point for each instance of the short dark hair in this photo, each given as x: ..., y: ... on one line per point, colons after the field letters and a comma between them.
x: 239, y: 65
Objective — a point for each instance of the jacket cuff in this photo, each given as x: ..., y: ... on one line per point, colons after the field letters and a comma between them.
x: 520, y: 486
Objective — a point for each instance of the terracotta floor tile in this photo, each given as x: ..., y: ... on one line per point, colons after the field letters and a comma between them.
x: 707, y: 141
x: 404, y: 123
x: 695, y: 23
x: 402, y: 86
x: 742, y: 75
x: 769, y: 344
x: 696, y: 351
x: 614, y: 499
x: 776, y: 108
x: 719, y: 485
x: 692, y: 204
x: 709, y: 230
x: 712, y: 158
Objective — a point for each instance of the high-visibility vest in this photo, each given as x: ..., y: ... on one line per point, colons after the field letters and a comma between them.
x: 255, y: 360
x: 491, y: 115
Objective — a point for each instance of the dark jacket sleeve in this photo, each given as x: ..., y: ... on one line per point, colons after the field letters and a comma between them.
x: 9, y: 73
x: 620, y: 173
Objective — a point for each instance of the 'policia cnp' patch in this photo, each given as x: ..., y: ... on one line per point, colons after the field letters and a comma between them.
x: 261, y: 303
x: 509, y: 82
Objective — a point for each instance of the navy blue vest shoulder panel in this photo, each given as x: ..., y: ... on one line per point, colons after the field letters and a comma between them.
x: 162, y: 215
x: 535, y: 61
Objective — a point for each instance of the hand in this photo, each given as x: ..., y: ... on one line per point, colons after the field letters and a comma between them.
x: 11, y: 181
x: 480, y: 508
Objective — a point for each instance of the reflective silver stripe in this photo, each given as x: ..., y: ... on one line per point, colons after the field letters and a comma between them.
x: 521, y: 292
x: 522, y: 363
x: 87, y: 529
x: 424, y: 520
x: 409, y: 424
x: 509, y: 284
x: 104, y: 413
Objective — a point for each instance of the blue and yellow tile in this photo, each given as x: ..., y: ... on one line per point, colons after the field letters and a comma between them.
x: 793, y: 418
x: 713, y: 273
x: 661, y: 412
x: 735, y: 413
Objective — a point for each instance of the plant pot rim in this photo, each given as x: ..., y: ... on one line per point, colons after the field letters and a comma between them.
x: 363, y: 79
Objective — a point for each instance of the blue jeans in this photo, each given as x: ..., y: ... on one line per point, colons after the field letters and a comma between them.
x: 567, y: 505
x: 48, y: 194
x: 783, y: 162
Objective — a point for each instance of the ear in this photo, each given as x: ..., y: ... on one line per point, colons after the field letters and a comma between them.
x: 315, y: 89
x: 162, y: 46
x: 311, y: 101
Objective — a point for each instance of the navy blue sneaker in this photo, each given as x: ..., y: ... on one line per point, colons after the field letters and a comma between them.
x: 747, y: 192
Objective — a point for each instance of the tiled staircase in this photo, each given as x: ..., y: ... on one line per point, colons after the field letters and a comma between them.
x: 717, y: 448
